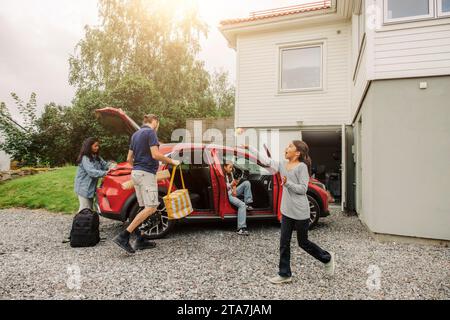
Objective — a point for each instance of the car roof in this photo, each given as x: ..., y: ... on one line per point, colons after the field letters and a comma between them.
x: 170, y: 147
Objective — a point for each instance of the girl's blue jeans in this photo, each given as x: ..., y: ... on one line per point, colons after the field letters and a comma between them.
x: 243, y: 189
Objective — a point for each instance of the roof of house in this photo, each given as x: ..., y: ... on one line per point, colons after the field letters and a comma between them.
x: 278, y: 12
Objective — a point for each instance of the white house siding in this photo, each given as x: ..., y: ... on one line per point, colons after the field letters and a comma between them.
x: 412, y: 51
x: 360, y: 59
x: 399, y: 50
x: 360, y: 83
x: 258, y: 102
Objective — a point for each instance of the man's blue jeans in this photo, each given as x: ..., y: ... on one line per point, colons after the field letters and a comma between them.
x: 243, y: 189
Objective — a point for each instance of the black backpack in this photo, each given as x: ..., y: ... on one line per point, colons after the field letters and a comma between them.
x: 85, y: 229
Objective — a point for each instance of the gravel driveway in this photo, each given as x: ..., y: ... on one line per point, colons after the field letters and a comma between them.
x: 209, y: 261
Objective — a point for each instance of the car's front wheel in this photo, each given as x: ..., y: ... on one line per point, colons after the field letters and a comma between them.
x: 314, y: 209
x: 158, y: 224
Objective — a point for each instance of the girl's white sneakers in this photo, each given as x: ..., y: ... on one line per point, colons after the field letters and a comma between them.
x: 329, y: 269
x: 279, y: 279
x: 330, y: 266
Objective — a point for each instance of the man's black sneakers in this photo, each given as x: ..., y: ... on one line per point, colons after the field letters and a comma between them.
x: 141, y: 244
x: 124, y: 243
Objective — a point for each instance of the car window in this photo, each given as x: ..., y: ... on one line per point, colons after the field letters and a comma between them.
x: 246, y: 164
x: 191, y: 158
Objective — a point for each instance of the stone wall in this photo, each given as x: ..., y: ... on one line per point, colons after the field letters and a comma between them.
x: 13, y: 174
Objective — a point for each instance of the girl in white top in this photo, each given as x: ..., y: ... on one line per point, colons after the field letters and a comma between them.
x: 295, y: 210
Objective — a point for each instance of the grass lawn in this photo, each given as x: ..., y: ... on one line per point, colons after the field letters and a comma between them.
x: 52, y: 191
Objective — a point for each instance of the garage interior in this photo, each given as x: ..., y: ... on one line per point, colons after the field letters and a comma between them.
x: 326, y: 151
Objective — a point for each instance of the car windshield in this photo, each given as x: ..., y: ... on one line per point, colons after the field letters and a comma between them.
x: 245, y: 163
x: 262, y: 157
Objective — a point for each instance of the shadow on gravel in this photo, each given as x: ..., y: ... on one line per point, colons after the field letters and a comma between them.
x: 191, y: 227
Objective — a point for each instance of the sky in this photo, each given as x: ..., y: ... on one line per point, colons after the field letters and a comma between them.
x: 37, y: 38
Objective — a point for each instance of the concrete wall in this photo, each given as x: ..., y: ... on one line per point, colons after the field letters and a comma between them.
x: 4, y: 159
x: 405, y: 141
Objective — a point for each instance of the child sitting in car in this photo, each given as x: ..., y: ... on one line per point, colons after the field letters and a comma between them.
x: 234, y: 191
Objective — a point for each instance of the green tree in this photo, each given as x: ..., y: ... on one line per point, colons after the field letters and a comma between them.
x: 54, y: 130
x: 223, y: 94
x: 20, y: 140
x: 143, y: 59
x: 84, y: 124
x: 158, y: 40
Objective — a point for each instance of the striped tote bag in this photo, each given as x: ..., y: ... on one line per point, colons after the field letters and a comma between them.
x: 178, y: 203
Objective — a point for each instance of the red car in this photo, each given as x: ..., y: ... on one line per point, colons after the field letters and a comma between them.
x: 205, y: 180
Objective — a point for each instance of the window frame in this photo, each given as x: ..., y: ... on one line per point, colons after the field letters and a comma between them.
x: 440, y: 13
x: 303, y: 45
x: 430, y: 15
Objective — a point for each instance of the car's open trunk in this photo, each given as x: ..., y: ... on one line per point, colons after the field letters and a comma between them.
x: 116, y: 121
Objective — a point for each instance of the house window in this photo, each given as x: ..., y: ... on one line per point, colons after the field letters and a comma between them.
x: 443, y: 8
x: 405, y: 10
x: 301, y: 68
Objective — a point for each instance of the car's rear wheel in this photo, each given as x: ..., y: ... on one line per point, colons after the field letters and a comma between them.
x: 314, y: 212
x: 158, y: 224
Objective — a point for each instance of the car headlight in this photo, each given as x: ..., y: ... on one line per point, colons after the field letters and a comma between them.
x: 320, y: 185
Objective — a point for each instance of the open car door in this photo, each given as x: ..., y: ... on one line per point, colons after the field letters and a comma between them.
x: 277, y: 188
x: 216, y: 180
x: 116, y: 121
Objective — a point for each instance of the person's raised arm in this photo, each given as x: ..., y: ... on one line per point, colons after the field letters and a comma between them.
x: 269, y: 162
x: 157, y: 155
